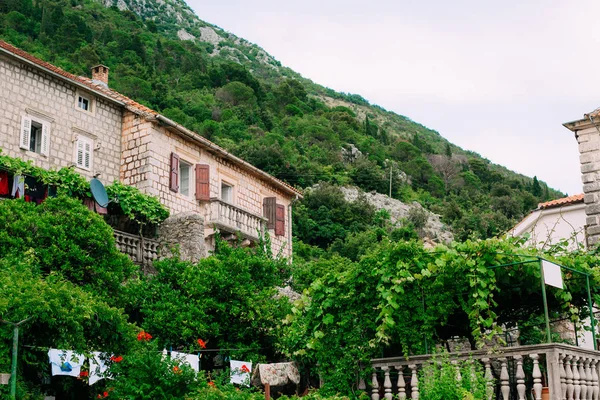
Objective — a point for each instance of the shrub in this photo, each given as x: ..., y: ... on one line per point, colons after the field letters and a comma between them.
x: 440, y: 380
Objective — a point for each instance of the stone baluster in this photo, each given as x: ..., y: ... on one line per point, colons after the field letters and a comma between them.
x: 563, y: 376
x: 576, y: 379
x: 584, y: 369
x: 361, y: 380
x: 457, y: 368
x: 374, y: 386
x: 520, y: 375
x: 414, y: 382
x: 401, y: 384
x: 387, y: 383
x: 489, y: 379
x: 504, y: 387
x: 569, y: 375
x: 594, y: 373
x: 537, y: 377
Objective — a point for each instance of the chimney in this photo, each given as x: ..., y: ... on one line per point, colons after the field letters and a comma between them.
x: 100, y: 75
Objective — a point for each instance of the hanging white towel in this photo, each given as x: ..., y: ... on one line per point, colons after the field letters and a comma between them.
x: 240, y: 372
x: 65, y: 362
x: 191, y: 359
x: 98, y: 367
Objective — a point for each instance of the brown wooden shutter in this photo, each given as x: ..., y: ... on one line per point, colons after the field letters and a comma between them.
x: 202, y: 182
x: 269, y: 211
x: 280, y: 220
x: 174, y: 176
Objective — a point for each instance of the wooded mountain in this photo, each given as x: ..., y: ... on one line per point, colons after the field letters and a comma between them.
x: 237, y: 95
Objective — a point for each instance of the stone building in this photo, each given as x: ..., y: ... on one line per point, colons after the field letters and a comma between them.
x: 57, y: 119
x: 587, y: 133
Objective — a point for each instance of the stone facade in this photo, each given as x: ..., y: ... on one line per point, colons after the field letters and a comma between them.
x: 56, y: 119
x: 28, y: 92
x: 146, y: 164
x: 588, y: 138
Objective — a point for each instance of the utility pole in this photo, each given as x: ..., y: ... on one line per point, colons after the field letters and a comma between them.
x: 13, y: 372
x: 391, y: 179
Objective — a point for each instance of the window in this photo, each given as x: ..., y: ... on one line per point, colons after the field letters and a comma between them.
x: 226, y: 192
x: 184, y: 178
x: 83, y: 103
x: 35, y: 135
x: 83, y: 152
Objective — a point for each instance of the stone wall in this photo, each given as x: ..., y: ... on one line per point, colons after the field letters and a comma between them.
x: 146, y: 165
x: 25, y: 90
x: 183, y: 234
x: 589, y: 156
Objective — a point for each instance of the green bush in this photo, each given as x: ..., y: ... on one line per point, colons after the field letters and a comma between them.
x: 439, y: 380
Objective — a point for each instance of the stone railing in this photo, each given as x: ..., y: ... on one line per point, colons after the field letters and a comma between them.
x: 132, y: 246
x: 569, y: 373
x: 229, y: 218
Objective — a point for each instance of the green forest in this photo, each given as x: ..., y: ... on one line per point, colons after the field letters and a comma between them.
x: 277, y: 120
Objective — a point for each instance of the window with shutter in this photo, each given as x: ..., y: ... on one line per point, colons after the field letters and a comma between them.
x: 174, y: 175
x: 83, y: 152
x: 269, y: 210
x: 202, y: 182
x: 25, y: 132
x: 280, y: 220
x: 45, y: 141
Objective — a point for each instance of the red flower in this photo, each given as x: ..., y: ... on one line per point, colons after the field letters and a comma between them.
x: 244, y: 368
x: 211, y: 383
x: 105, y: 394
x: 144, y: 336
x: 117, y: 359
x: 83, y: 374
x: 99, y: 396
x: 176, y: 369
x: 202, y: 343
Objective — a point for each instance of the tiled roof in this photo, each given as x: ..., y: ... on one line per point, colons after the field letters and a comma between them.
x: 132, y: 105
x: 578, y: 198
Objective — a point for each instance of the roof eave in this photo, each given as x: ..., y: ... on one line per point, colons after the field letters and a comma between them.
x: 183, y: 131
x: 61, y: 77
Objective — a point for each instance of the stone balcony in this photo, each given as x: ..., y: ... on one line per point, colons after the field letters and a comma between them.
x: 142, y: 251
x: 519, y: 373
x: 231, y: 219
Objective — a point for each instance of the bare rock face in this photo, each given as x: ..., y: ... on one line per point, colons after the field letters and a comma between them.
x: 433, y: 231
x: 182, y: 34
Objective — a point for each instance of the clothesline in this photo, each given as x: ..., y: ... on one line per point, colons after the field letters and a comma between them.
x: 160, y: 351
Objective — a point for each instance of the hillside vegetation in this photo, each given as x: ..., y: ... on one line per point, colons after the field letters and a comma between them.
x: 235, y: 94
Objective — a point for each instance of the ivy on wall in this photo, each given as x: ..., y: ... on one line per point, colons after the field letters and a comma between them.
x: 134, y: 204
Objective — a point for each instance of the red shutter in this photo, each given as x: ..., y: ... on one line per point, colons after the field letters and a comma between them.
x: 174, y: 175
x: 202, y: 182
x: 280, y: 220
x: 269, y: 210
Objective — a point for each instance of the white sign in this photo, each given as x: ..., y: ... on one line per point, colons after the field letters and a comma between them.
x: 240, y: 372
x: 552, y: 274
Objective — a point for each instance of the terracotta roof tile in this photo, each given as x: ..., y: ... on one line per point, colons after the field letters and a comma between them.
x: 578, y: 198
x: 132, y: 105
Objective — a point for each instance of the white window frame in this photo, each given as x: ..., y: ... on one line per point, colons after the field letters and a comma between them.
x: 230, y: 192
x: 185, y: 188
x: 91, y: 103
x: 43, y: 141
x: 83, y: 152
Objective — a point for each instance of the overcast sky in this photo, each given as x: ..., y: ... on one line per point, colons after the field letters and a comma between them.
x: 492, y: 77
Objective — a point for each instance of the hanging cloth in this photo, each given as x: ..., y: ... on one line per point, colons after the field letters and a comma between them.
x: 191, y: 359
x: 98, y: 367
x: 3, y: 183
x: 240, y: 372
x: 65, y: 362
x: 18, y: 187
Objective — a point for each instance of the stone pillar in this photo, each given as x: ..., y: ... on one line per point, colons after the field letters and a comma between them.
x: 588, y: 139
x: 183, y: 233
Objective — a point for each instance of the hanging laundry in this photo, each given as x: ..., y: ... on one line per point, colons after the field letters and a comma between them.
x: 36, y: 190
x: 98, y: 367
x: 240, y: 372
x: 18, y: 187
x: 3, y: 183
x: 191, y: 359
x: 65, y: 362
x: 277, y: 374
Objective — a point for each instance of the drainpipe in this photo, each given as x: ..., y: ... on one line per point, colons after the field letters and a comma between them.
x: 290, y: 226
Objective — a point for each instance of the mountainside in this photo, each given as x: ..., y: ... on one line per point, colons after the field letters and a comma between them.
x: 237, y: 95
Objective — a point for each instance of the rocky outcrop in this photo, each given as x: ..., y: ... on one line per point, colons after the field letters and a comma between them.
x: 432, y: 230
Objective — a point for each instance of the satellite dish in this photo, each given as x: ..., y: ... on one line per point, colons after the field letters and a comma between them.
x: 99, y: 192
